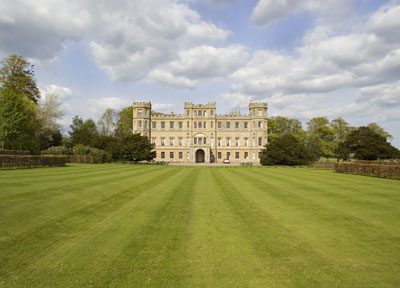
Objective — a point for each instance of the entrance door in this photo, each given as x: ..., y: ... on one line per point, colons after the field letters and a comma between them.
x: 200, y: 156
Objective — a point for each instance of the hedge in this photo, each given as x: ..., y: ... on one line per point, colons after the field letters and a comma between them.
x: 14, y: 152
x: 391, y: 171
x: 31, y: 161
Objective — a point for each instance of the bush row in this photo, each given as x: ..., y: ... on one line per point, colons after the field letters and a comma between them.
x: 324, y: 165
x: 14, y: 152
x: 31, y: 161
x: 376, y: 170
x: 80, y: 154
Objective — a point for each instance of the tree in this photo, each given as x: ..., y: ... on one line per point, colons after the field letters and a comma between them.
x: 279, y: 126
x: 378, y: 129
x: 340, y: 129
x: 83, y: 132
x: 19, y: 127
x: 16, y: 74
x: 124, y: 122
x: 49, y: 113
x: 133, y: 147
x: 365, y: 144
x: 106, y: 123
x: 320, y: 137
x: 287, y: 150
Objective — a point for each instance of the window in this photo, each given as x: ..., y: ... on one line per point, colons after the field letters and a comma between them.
x: 195, y: 141
x: 237, y: 155
x: 219, y: 141
x: 228, y: 125
x: 228, y: 141
x: 237, y: 125
x: 139, y: 112
x: 228, y: 155
x: 246, y: 124
x: 259, y: 112
x: 212, y: 124
x: 171, y: 141
x: 153, y: 140
x: 205, y: 113
x: 205, y: 125
x: 259, y: 124
x: 260, y: 141
x: 212, y: 112
x: 162, y: 141
x: 171, y: 155
x: 237, y: 141
x: 145, y: 124
x: 171, y: 125
x: 246, y: 155
x: 195, y: 125
x: 162, y: 155
x: 180, y: 125
x: 187, y: 124
x: 199, y: 113
x: 246, y: 142
x: 200, y: 141
x: 140, y: 124
x: 199, y: 125
x: 162, y: 125
x: 187, y: 112
x: 219, y: 125
x: 219, y: 155
x: 180, y: 155
x: 195, y: 112
x: 154, y: 125
x: 180, y: 141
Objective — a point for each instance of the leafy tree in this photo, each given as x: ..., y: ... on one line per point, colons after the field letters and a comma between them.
x: 106, y: 123
x: 287, y: 150
x: 49, y: 113
x: 279, y: 126
x: 365, y: 144
x: 320, y: 137
x: 16, y: 74
x: 83, y: 132
x: 340, y: 129
x: 19, y: 127
x: 378, y: 129
x: 133, y: 147
x: 124, y: 122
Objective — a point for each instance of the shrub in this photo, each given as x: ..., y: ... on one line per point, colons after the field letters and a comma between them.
x: 391, y: 171
x: 287, y: 150
x: 57, y: 150
x: 31, y: 161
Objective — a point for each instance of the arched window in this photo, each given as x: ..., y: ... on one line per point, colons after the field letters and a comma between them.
x: 140, y: 124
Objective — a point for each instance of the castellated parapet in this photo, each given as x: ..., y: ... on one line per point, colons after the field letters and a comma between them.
x: 200, y: 135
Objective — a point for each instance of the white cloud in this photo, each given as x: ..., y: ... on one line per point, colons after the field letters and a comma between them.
x: 269, y: 11
x: 163, y: 107
x: 101, y: 104
x: 199, y: 63
x: 236, y: 100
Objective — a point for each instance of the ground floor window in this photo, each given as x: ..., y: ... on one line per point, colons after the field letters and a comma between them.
x: 237, y: 156
x: 246, y: 155
x: 162, y: 155
x: 180, y: 155
x: 228, y: 155
x: 219, y: 155
x: 171, y: 155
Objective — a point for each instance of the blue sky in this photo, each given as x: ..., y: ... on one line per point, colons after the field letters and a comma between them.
x: 334, y: 58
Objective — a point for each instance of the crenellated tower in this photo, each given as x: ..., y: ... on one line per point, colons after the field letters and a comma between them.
x: 142, y: 118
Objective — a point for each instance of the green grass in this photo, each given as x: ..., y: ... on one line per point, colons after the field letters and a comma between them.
x: 152, y: 226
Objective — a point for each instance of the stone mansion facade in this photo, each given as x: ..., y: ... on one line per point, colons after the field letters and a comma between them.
x: 201, y: 136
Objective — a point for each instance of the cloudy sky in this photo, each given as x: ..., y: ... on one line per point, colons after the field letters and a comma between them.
x: 306, y: 58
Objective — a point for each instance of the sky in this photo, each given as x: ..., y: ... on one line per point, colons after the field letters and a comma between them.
x: 310, y: 58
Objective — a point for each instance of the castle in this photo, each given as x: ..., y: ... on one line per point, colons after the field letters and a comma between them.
x: 201, y: 136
